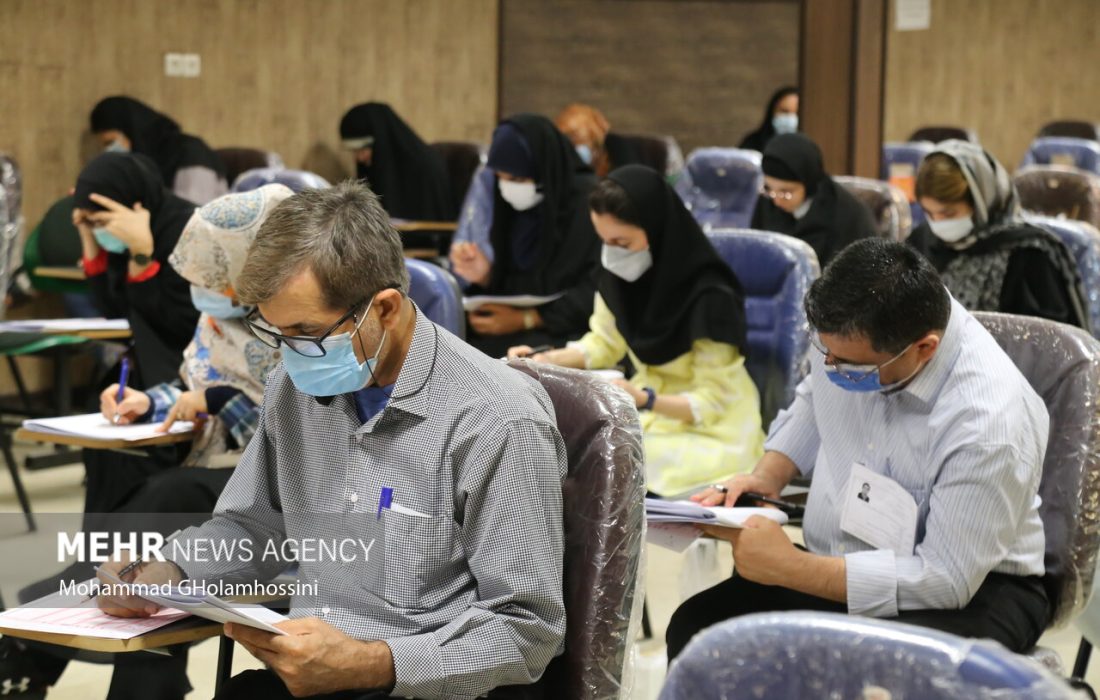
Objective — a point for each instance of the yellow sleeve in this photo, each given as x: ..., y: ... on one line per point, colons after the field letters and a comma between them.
x: 716, y: 372
x: 602, y: 345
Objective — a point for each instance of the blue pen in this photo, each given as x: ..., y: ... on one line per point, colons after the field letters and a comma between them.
x: 124, y: 376
x: 384, y: 500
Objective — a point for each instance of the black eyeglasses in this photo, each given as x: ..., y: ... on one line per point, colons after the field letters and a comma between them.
x: 307, y: 345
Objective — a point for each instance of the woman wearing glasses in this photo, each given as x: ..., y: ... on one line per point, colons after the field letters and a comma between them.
x: 801, y: 200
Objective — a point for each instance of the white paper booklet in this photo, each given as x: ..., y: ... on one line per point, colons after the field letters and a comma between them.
x: 96, y: 427
x: 67, y: 324
x: 521, y: 301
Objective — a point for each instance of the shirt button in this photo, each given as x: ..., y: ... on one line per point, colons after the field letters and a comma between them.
x: 870, y: 446
x: 325, y: 611
x: 353, y: 497
x: 840, y: 549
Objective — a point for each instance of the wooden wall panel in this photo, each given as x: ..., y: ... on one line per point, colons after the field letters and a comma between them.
x: 1002, y: 67
x: 699, y: 70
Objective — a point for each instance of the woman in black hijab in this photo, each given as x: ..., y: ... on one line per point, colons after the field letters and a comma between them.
x: 780, y: 117
x: 542, y: 238
x: 187, y: 165
x: 801, y: 200
x: 405, y: 172
x: 129, y: 225
x: 671, y: 305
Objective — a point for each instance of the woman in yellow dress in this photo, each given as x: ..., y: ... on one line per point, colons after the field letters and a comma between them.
x: 669, y: 304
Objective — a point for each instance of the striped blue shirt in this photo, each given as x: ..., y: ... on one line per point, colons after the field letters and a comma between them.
x: 966, y: 438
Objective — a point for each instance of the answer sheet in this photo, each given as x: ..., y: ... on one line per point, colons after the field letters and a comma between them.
x: 96, y: 427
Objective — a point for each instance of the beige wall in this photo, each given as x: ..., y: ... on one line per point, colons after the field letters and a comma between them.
x: 276, y: 74
x: 1002, y: 67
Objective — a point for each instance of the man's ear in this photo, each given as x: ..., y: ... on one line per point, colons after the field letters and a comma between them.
x: 927, y: 345
x: 389, y: 303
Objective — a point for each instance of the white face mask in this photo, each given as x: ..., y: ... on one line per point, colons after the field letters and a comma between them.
x: 952, y: 230
x: 785, y: 123
x: 803, y: 208
x: 624, y: 264
x: 521, y: 195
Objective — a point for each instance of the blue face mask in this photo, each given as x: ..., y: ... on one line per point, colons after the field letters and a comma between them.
x: 865, y: 378
x: 216, y: 305
x: 585, y: 153
x: 785, y: 123
x: 108, y: 242
x: 336, y: 372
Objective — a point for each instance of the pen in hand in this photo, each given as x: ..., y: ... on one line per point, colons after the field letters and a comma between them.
x: 539, y: 348
x: 124, y: 376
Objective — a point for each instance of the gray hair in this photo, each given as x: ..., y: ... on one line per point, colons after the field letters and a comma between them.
x: 341, y: 233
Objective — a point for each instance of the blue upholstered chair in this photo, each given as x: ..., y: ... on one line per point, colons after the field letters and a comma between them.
x: 437, y: 294
x: 776, y: 656
x: 296, y: 180
x: 888, y: 204
x: 900, y: 163
x: 721, y: 185
x: 476, y: 216
x: 1083, y: 154
x: 1083, y: 241
x: 776, y: 272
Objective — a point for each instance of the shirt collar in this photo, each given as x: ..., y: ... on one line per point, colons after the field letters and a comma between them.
x: 928, y: 383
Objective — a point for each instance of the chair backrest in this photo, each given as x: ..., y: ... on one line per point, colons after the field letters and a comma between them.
x: 476, y: 216
x: 1062, y: 364
x: 900, y: 163
x: 776, y: 656
x: 296, y: 180
x: 11, y: 220
x: 776, y: 272
x: 437, y: 294
x: 1072, y: 129
x: 935, y: 134
x: 1061, y: 191
x: 889, y: 205
x: 238, y: 160
x: 603, y: 496
x: 1061, y: 150
x: 461, y: 158
x: 54, y: 242
x: 721, y: 185
x: 662, y: 153
x: 1083, y: 242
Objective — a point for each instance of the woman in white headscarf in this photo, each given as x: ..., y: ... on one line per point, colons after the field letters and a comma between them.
x: 988, y: 256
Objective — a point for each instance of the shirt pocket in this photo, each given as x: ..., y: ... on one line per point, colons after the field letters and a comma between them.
x: 418, y: 554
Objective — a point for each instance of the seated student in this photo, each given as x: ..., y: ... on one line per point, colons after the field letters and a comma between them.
x: 780, y: 117
x: 675, y: 309
x: 910, y: 391
x: 222, y: 375
x: 463, y: 594
x: 407, y: 175
x: 801, y: 200
x: 988, y: 257
x: 190, y: 168
x: 590, y: 132
x: 542, y: 239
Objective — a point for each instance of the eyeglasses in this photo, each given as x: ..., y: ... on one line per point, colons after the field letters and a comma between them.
x: 307, y: 345
x: 853, y: 373
x: 777, y: 194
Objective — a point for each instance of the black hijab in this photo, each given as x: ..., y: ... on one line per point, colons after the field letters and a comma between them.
x: 405, y: 172
x: 758, y: 140
x: 155, y: 135
x: 689, y: 293
x: 835, y: 218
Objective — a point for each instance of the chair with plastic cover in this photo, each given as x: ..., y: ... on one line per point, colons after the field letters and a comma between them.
x: 900, y: 163
x: 777, y: 656
x: 1062, y: 364
x: 296, y: 180
x: 1071, y: 128
x: 1083, y: 154
x: 662, y: 153
x: 888, y: 204
x: 721, y: 185
x: 604, y: 518
x: 437, y: 294
x: 1059, y: 191
x: 775, y: 272
x: 461, y: 159
x: 238, y: 160
x: 935, y: 134
x: 1082, y: 239
x: 476, y: 216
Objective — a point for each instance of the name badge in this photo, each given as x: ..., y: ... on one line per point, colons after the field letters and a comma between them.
x: 879, y: 511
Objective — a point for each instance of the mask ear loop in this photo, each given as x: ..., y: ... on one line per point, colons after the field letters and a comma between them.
x: 362, y: 345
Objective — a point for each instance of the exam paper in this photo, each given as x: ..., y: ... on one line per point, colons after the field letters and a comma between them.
x: 521, y: 301
x: 71, y: 614
x: 66, y: 324
x: 96, y: 427
x: 661, y: 511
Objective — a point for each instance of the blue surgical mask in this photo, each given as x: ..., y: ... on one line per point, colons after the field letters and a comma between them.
x: 216, y: 305
x: 585, y: 152
x: 865, y: 378
x: 116, y: 147
x: 785, y: 123
x: 336, y: 372
x: 108, y: 241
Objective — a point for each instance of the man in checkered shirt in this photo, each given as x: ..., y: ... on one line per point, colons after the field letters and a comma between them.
x: 382, y: 427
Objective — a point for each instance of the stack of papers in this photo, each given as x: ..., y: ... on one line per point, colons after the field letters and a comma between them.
x: 672, y: 524
x: 94, y: 426
x: 66, y: 325
x: 522, y: 301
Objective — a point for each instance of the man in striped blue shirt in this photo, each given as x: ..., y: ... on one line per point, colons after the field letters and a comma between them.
x: 907, y: 387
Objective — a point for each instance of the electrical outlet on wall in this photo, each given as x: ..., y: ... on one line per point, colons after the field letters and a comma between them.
x: 182, y: 65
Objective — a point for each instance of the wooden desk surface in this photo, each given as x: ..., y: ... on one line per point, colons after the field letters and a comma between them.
x: 62, y: 273
x: 190, y: 629
x: 407, y: 226
x: 77, y: 441
x: 100, y: 334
